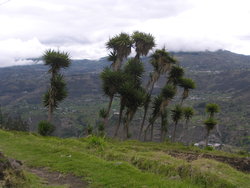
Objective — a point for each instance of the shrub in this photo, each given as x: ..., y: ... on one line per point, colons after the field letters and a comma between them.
x: 45, y: 128
x: 209, y: 148
x: 90, y: 129
x: 96, y: 142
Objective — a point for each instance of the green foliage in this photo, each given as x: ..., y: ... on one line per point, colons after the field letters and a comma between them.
x: 187, y: 83
x: 96, y: 142
x: 168, y: 92
x: 156, y: 106
x: 45, y: 128
x: 120, y: 45
x: 101, y: 128
x: 188, y: 112
x: 175, y: 75
x: 143, y: 42
x: 134, y: 70
x: 103, y: 113
x: 90, y: 129
x: 56, y: 60
x: 111, y: 81
x: 162, y: 61
x: 212, y: 108
x: 210, y: 123
x: 56, y: 93
x: 209, y: 148
x: 176, y: 113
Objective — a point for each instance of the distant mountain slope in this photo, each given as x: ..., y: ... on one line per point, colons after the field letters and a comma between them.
x: 222, y: 77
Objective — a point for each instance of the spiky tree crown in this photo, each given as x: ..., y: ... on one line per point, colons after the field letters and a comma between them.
x: 120, y: 45
x: 175, y: 75
x: 143, y: 42
x: 188, y: 112
x: 177, y: 113
x: 210, y: 123
x: 161, y: 60
x: 187, y: 83
x: 56, y: 60
x: 212, y: 108
x: 168, y: 92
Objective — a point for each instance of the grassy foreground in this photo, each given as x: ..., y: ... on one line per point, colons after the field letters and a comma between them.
x: 110, y: 163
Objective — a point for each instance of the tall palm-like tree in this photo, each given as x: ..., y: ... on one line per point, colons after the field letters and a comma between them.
x: 111, y: 81
x: 188, y: 113
x: 212, y: 108
x: 187, y: 84
x: 160, y: 103
x: 210, y: 124
x: 162, y: 62
x: 143, y: 43
x: 164, y: 124
x: 176, y: 115
x: 175, y: 75
x: 134, y: 99
x: 120, y: 46
x: 56, y: 60
x: 133, y: 70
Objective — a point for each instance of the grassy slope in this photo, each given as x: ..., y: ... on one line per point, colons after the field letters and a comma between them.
x: 119, y: 164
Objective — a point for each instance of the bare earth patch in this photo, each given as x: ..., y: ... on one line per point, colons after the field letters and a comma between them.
x: 241, y: 164
x: 57, y: 178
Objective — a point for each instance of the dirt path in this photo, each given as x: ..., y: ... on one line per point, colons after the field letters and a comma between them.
x: 241, y: 164
x: 56, y: 178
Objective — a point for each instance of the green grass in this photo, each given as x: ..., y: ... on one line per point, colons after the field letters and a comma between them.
x: 111, y: 163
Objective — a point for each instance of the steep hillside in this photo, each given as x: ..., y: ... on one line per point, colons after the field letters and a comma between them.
x: 222, y: 77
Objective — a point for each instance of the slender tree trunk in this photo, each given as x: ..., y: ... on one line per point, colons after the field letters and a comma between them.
x: 50, y: 113
x: 175, y: 125
x: 143, y: 121
x: 150, y: 124
x: 145, y: 115
x: 163, y: 131
x: 208, y: 131
x: 146, y: 131
x: 108, y: 112
x: 119, y: 121
x: 184, y: 131
x: 152, y: 132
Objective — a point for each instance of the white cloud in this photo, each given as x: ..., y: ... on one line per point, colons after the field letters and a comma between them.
x: 28, y: 27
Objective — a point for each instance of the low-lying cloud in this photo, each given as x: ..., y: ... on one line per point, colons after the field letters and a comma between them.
x: 29, y: 27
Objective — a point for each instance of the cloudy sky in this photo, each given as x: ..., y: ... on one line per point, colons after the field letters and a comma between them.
x: 82, y: 27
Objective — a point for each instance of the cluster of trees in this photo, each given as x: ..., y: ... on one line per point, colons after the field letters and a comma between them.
x: 123, y: 79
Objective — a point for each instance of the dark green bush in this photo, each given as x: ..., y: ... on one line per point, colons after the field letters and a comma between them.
x: 45, y: 128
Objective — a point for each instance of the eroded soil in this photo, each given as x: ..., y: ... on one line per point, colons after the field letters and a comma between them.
x: 241, y: 164
x: 57, y: 178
